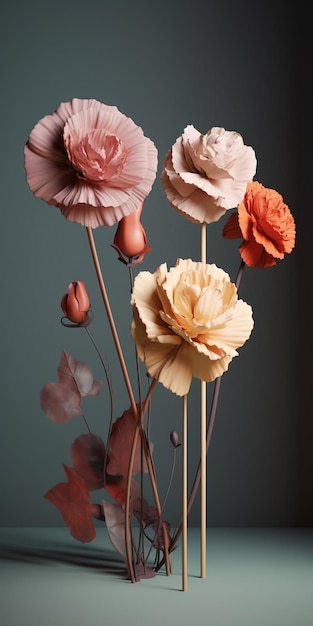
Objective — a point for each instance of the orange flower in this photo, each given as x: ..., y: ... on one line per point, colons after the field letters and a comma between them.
x: 266, y: 225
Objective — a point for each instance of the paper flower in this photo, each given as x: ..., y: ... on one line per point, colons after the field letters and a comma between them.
x: 205, y: 175
x: 130, y: 239
x: 95, y: 165
x: 265, y: 223
x: 188, y: 322
x: 75, y: 304
x: 90, y: 161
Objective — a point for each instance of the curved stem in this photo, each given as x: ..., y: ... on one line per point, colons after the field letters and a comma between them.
x: 126, y: 380
x: 110, y: 394
x: 131, y: 398
x: 170, y: 479
x: 140, y: 431
x: 86, y: 423
x: 127, y: 500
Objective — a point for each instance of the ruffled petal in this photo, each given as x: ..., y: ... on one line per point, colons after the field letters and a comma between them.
x: 218, y: 164
x: 187, y: 321
x: 266, y: 225
x: 91, y: 161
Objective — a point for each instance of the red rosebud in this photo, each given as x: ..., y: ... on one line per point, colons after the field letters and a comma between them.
x: 130, y: 237
x: 75, y: 304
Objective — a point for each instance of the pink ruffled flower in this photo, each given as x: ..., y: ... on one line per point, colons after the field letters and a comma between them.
x: 205, y: 175
x: 90, y: 161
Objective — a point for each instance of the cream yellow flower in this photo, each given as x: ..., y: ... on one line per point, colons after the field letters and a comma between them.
x: 188, y: 321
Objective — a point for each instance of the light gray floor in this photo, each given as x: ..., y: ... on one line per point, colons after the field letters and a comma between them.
x: 254, y: 578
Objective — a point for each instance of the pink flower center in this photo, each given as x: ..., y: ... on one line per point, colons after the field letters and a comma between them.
x: 95, y: 154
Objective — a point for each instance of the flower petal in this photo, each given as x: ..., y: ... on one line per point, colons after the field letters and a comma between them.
x: 187, y: 321
x: 91, y: 161
x: 218, y: 165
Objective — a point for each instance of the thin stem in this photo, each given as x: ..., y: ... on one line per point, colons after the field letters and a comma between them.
x: 184, y: 494
x: 111, y: 319
x: 140, y: 431
x: 86, y: 423
x: 203, y: 418
x: 216, y: 392
x: 239, y: 274
x: 127, y: 384
x: 133, y: 407
x: 141, y: 534
x: 110, y: 394
x: 170, y: 479
x: 196, y: 481
x: 127, y: 499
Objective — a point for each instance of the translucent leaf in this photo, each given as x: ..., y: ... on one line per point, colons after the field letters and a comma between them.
x: 72, y: 500
x: 77, y: 375
x: 62, y: 400
x: 87, y: 455
x: 59, y: 403
x: 121, y: 441
x: 116, y: 487
x: 115, y: 522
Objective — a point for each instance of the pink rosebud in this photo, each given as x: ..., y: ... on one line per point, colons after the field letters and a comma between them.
x: 130, y: 237
x: 75, y: 304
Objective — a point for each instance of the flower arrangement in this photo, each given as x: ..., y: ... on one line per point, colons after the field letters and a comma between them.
x: 97, y: 167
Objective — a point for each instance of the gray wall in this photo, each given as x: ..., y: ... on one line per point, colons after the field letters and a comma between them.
x: 166, y: 65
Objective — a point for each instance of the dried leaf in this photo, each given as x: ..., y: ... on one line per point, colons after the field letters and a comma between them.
x: 62, y: 400
x: 97, y: 512
x: 59, y: 403
x: 87, y: 456
x: 115, y: 522
x: 77, y: 375
x: 121, y: 441
x: 148, y: 516
x: 116, y: 487
x: 73, y: 502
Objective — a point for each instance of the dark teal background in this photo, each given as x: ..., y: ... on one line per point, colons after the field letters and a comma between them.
x: 166, y: 65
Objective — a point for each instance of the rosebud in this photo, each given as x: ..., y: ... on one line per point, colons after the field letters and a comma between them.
x: 130, y: 237
x: 174, y: 439
x: 75, y: 304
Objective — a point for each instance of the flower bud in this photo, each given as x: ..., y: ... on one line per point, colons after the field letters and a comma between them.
x: 174, y: 439
x: 75, y: 304
x: 130, y: 237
